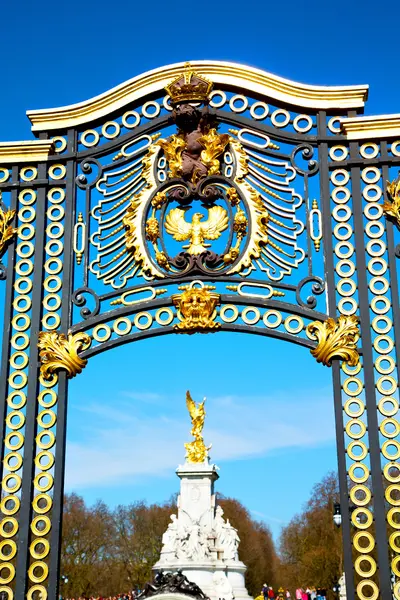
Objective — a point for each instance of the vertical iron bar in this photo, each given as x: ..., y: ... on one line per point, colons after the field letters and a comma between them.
x: 33, y: 384
x: 61, y: 433
x: 370, y: 399
x: 337, y: 388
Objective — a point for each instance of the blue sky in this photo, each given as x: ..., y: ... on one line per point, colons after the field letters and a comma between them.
x: 270, y: 415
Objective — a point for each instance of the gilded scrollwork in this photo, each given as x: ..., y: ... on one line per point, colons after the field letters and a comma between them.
x: 196, y: 309
x: 335, y: 340
x: 58, y: 351
x: 391, y: 207
x: 7, y: 231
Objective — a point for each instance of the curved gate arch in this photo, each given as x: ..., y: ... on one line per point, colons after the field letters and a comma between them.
x: 201, y: 197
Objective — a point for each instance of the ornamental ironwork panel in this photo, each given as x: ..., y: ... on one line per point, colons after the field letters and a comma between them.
x: 201, y: 198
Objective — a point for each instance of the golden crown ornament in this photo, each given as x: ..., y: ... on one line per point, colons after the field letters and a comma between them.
x: 189, y: 86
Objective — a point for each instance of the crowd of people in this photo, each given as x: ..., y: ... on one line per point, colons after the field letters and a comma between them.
x: 307, y: 593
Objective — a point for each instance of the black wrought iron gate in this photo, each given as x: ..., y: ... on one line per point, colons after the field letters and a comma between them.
x: 232, y: 201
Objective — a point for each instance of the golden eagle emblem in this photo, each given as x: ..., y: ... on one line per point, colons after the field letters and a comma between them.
x: 196, y: 231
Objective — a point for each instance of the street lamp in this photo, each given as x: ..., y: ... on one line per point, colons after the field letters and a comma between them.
x: 336, y: 588
x: 337, y: 515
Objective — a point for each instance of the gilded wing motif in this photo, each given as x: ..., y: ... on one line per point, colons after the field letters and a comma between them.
x: 272, y: 201
x: 176, y: 225
x: 124, y: 192
x: 216, y: 223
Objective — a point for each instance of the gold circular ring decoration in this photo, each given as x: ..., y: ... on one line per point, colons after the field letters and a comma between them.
x: 53, y: 270
x: 388, y: 494
x: 391, y: 444
x: 8, y: 591
x: 345, y: 263
x: 11, y: 572
x: 111, y: 125
x: 273, y: 324
x: 98, y: 335
x: 377, y: 193
x: 343, y: 231
x: 377, y: 302
x: 385, y: 411
x: 22, y: 197
x: 377, y: 270
x: 385, y: 329
x: 24, y: 267
x: 49, y: 403
x: 51, y: 382
x: 369, y: 146
x: 392, y: 541
x: 59, y: 230
x: 352, y: 371
x: 358, y: 478
x: 41, y: 510
x: 62, y: 143
x: 4, y: 174
x: 90, y: 143
x: 122, y: 321
x: 362, y: 559
x: 395, y: 148
x: 154, y: 113
x: 27, y: 214
x: 335, y: 128
x: 250, y: 320
x: 347, y: 306
x: 354, y: 413
x: 10, y: 489
x: 57, y: 171
x: 15, y: 507
x: 60, y: 195
x: 14, y: 527
x: 340, y: 177
x: 350, y: 283
x: 23, y: 285
x: 229, y: 308
x: 13, y: 549
x: 22, y: 303
x: 55, y: 298
x: 373, y: 211
x: 20, y: 341
x: 278, y: 113
x: 13, y: 456
x: 127, y: 115
x: 28, y: 173
x: 19, y: 415
x: 40, y: 456
x: 376, y: 247
x: 341, y: 190
x: 54, y: 247
x: 374, y: 229
x: 395, y: 565
x: 55, y: 212
x: 302, y: 128
x: 37, y: 554
x: 392, y: 385
x: 51, y: 320
x: 360, y: 488
x: 43, y: 487
x: 364, y: 535
x: 15, y: 357
x: 338, y: 153
x: 258, y: 116
x: 341, y: 213
x: 25, y: 249
x: 299, y: 324
x: 148, y: 320
x: 166, y: 320
x: 26, y: 232
x: 45, y: 445
x: 390, y: 518
x: 355, y: 423
x: 35, y: 525
x: 244, y: 103
x: 16, y: 445
x: 365, y: 175
x: 41, y: 592
x: 357, y: 383
x: 42, y: 415
x: 344, y: 250
x: 357, y: 512
x: 389, y: 474
x: 52, y: 279
x: 38, y: 564
x: 357, y: 444
x: 377, y: 343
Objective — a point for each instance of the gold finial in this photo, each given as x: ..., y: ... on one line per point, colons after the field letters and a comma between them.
x: 196, y: 451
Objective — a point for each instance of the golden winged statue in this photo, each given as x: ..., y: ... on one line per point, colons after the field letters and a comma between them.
x: 196, y: 231
x: 197, y: 451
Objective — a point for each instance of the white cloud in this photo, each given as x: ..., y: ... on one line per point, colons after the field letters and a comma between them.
x: 119, y: 443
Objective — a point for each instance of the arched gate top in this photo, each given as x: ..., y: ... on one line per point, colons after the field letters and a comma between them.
x: 224, y: 73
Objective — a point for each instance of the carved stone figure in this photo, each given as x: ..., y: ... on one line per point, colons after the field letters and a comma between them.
x: 231, y: 542
x: 170, y: 537
x: 223, y: 588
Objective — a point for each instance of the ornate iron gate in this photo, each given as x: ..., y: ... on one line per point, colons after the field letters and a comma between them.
x: 232, y: 201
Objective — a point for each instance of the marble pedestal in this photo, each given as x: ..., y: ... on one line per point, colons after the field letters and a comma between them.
x: 199, y: 540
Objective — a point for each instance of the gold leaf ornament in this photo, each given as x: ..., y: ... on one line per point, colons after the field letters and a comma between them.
x: 391, y: 207
x: 337, y: 339
x: 60, y: 352
x: 7, y: 232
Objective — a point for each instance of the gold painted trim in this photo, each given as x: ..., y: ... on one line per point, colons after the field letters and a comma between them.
x: 221, y: 73
x: 30, y: 151
x: 379, y: 126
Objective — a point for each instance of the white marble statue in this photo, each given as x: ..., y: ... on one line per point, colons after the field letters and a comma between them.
x: 223, y: 588
x: 231, y: 542
x: 170, y: 537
